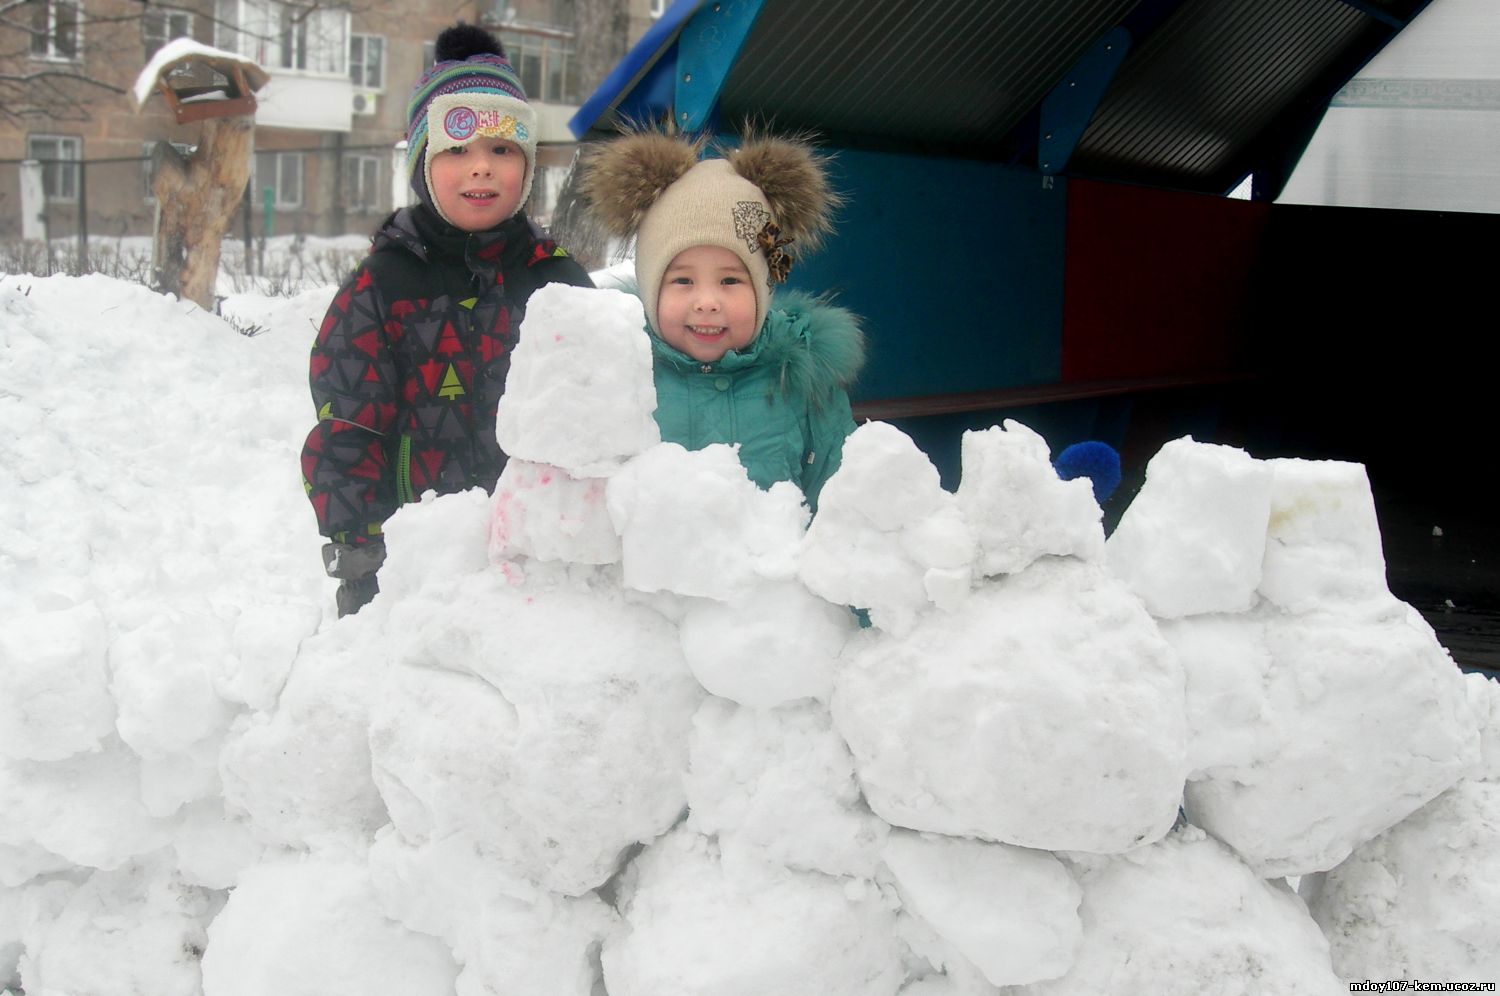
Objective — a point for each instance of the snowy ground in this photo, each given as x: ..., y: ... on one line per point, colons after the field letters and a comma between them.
x: 614, y: 730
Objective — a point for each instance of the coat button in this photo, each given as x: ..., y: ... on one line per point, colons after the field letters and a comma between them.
x: 722, y: 383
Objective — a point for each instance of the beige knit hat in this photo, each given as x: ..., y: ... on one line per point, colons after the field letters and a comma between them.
x: 766, y: 194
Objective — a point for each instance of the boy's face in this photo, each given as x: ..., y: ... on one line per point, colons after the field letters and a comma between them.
x: 478, y: 185
x: 707, y: 303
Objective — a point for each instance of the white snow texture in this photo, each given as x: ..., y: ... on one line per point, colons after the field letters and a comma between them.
x: 617, y: 728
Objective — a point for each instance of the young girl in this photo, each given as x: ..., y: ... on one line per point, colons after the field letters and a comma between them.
x: 732, y: 364
x: 411, y: 359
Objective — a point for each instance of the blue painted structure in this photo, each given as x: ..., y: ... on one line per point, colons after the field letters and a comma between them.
x: 997, y: 275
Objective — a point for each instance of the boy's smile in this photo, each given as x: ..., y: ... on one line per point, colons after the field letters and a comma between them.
x: 707, y: 304
x: 477, y: 186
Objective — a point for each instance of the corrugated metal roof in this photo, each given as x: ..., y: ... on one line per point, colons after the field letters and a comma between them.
x: 1188, y: 103
x: 947, y: 71
x: 1208, y: 90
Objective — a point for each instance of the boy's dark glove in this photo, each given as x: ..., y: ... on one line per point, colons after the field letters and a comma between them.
x: 355, y: 593
x: 355, y: 567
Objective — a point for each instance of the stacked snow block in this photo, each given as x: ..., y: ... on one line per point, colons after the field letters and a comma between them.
x: 617, y: 728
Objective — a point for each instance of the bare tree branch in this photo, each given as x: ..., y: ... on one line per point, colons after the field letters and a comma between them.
x: 26, y: 79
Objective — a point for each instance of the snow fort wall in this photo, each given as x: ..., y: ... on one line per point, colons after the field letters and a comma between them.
x: 622, y: 733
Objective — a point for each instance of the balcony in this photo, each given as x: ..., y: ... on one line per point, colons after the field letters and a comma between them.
x: 310, y: 101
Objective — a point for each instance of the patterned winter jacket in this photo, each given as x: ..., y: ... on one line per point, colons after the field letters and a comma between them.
x: 410, y: 363
x: 783, y: 399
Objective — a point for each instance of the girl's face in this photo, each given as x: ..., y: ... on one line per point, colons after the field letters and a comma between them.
x: 707, y: 303
x: 478, y: 185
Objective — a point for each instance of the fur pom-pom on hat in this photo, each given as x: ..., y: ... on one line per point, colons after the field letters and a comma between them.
x: 752, y: 200
x: 623, y: 178
x: 795, y: 182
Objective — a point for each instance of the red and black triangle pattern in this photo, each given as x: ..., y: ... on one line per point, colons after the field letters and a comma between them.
x: 398, y: 387
x: 409, y: 365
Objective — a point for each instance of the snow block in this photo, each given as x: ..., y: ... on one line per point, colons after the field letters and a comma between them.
x: 54, y: 687
x: 1484, y: 703
x: 86, y: 809
x: 579, y: 394
x: 974, y: 724
x: 541, y: 511
x: 693, y: 523
x: 139, y: 929
x: 1183, y: 917
x: 1313, y: 733
x: 1017, y: 507
x: 431, y: 544
x: 507, y: 941
x: 697, y: 924
x: 887, y: 537
x: 551, y: 730
x: 1194, y: 538
x: 302, y: 773
x: 1419, y: 901
x: 1011, y: 912
x: 776, y: 644
x: 1323, y: 542
x: 164, y: 686
x: 313, y: 926
x: 778, y: 786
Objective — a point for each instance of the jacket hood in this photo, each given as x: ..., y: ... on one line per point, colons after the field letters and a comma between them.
x: 419, y: 231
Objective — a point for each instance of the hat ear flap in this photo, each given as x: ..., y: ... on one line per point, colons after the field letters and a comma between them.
x: 622, y: 178
x: 794, y: 181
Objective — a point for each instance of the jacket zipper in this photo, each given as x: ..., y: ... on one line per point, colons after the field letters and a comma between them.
x: 403, y: 471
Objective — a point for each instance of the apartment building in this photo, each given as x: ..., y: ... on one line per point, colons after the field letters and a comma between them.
x: 327, y: 123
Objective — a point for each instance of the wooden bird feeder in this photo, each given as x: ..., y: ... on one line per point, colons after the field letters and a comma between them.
x: 201, y: 86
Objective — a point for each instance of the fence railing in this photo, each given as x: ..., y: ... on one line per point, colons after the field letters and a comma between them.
x: 55, y: 213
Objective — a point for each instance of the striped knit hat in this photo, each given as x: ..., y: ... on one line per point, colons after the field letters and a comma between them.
x: 470, y: 92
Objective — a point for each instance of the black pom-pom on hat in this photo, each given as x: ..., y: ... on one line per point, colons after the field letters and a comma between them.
x: 462, y: 41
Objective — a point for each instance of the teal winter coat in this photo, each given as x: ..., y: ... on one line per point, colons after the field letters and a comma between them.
x: 784, y: 399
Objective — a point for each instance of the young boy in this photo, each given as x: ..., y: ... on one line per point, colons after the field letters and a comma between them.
x: 730, y: 364
x: 411, y: 358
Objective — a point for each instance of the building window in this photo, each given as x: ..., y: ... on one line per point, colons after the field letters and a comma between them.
x: 362, y: 183
x: 545, y: 65
x: 429, y: 55
x: 55, y: 26
x: 658, y: 8
x: 282, y: 172
x: 159, y: 26
x: 367, y: 61
x: 58, y: 154
x: 297, y: 37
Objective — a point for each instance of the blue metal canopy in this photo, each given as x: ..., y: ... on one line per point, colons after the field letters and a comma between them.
x: 1182, y: 94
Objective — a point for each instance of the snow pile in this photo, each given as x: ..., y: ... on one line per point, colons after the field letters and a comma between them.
x: 616, y: 728
x: 157, y: 574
